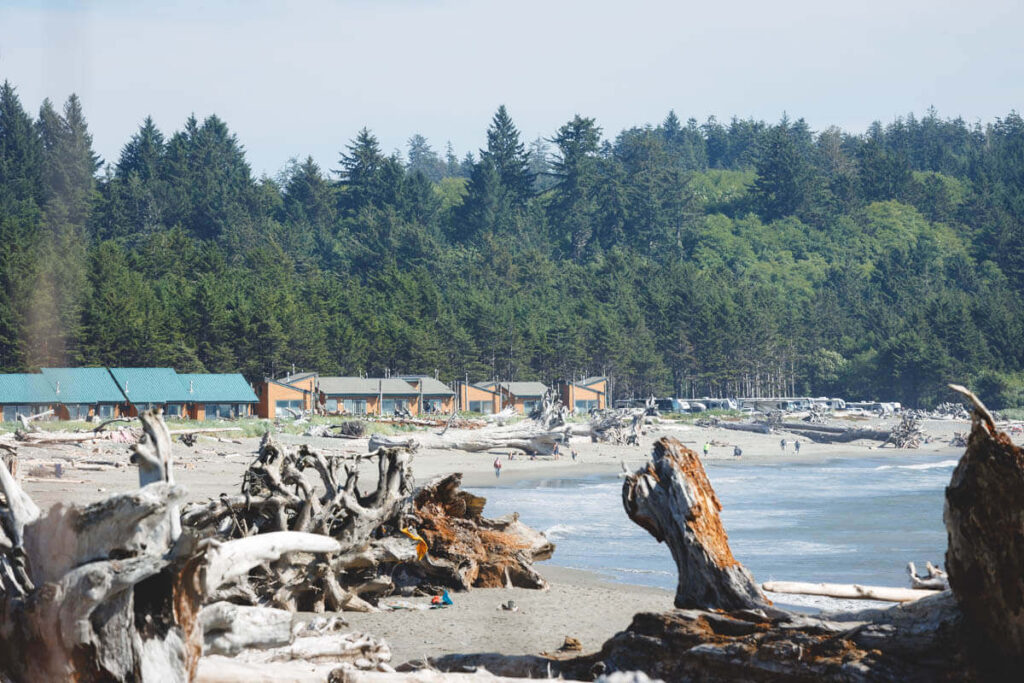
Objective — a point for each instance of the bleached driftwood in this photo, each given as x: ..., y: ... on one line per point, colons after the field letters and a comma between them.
x: 26, y: 420
x: 850, y: 591
x: 229, y: 628
x: 370, y: 554
x: 934, y: 579
x: 112, y: 590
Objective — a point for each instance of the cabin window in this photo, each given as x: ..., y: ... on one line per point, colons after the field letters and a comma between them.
x: 355, y: 406
x: 484, y: 407
x: 11, y: 412
x: 585, y: 406
x: 285, y: 408
x: 530, y: 406
x: 433, y: 405
x: 390, y: 405
x: 331, y: 406
x: 172, y: 410
x: 103, y: 411
x: 219, y: 411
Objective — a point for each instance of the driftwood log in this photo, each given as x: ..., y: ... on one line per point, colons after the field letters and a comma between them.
x: 673, y: 500
x: 386, y: 539
x: 984, y: 516
x: 111, y: 591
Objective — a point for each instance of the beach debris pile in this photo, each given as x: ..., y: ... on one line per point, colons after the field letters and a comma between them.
x: 392, y: 538
x: 958, y: 440
x: 950, y: 411
x: 817, y: 414
x: 124, y: 584
x: 907, y: 433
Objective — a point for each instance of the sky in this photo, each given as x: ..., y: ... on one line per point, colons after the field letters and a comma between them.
x: 301, y: 78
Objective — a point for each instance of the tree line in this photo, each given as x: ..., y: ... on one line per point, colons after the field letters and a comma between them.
x: 686, y: 258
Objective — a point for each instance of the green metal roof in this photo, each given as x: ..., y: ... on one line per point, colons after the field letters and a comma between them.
x: 149, y: 385
x: 83, y: 385
x: 206, y: 388
x: 24, y: 389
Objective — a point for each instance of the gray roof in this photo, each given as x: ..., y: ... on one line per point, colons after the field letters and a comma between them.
x: 525, y: 389
x: 431, y: 386
x: 365, y: 386
x: 592, y: 380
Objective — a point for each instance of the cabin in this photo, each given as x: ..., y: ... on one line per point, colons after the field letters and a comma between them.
x: 218, y: 396
x: 435, y: 397
x: 367, y: 396
x: 524, y: 397
x: 584, y: 396
x: 25, y: 394
x: 289, y: 396
x: 475, y: 398
x: 83, y: 393
x: 147, y: 388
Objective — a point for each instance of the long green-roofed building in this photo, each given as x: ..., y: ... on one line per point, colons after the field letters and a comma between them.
x: 81, y: 392
x: 218, y: 396
x: 25, y: 394
x: 146, y: 388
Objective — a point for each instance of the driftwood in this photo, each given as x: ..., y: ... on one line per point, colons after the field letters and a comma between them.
x: 851, y: 591
x: 673, y: 500
x: 935, y: 579
x: 26, y: 420
x: 984, y: 515
x: 372, y: 551
x: 112, y: 591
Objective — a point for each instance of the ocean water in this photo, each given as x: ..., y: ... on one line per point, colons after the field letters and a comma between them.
x: 840, y: 521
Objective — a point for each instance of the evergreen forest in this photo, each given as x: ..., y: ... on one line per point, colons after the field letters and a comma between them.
x: 686, y: 258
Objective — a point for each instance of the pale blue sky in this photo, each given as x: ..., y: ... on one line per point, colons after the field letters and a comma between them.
x: 301, y: 78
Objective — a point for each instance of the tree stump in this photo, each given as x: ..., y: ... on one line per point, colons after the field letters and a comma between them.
x: 673, y: 500
x: 984, y: 516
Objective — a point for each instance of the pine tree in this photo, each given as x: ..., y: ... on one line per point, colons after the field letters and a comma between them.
x: 143, y: 152
x: 487, y: 206
x: 423, y: 159
x: 782, y: 174
x: 573, y: 210
x: 509, y: 156
x: 360, y: 171
x: 22, y: 193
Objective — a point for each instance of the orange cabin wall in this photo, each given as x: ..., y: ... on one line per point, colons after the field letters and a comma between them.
x: 470, y: 393
x: 271, y: 393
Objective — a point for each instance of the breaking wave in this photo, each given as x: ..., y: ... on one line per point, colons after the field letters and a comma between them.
x: 920, y: 466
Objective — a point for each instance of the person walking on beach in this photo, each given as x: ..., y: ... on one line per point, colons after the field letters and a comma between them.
x: 783, y: 444
x: 573, y: 454
x: 497, y: 467
x: 555, y: 451
x: 707, y: 448
x: 796, y: 447
x: 737, y: 451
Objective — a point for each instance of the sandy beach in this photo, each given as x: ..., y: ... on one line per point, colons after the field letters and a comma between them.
x: 578, y: 604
